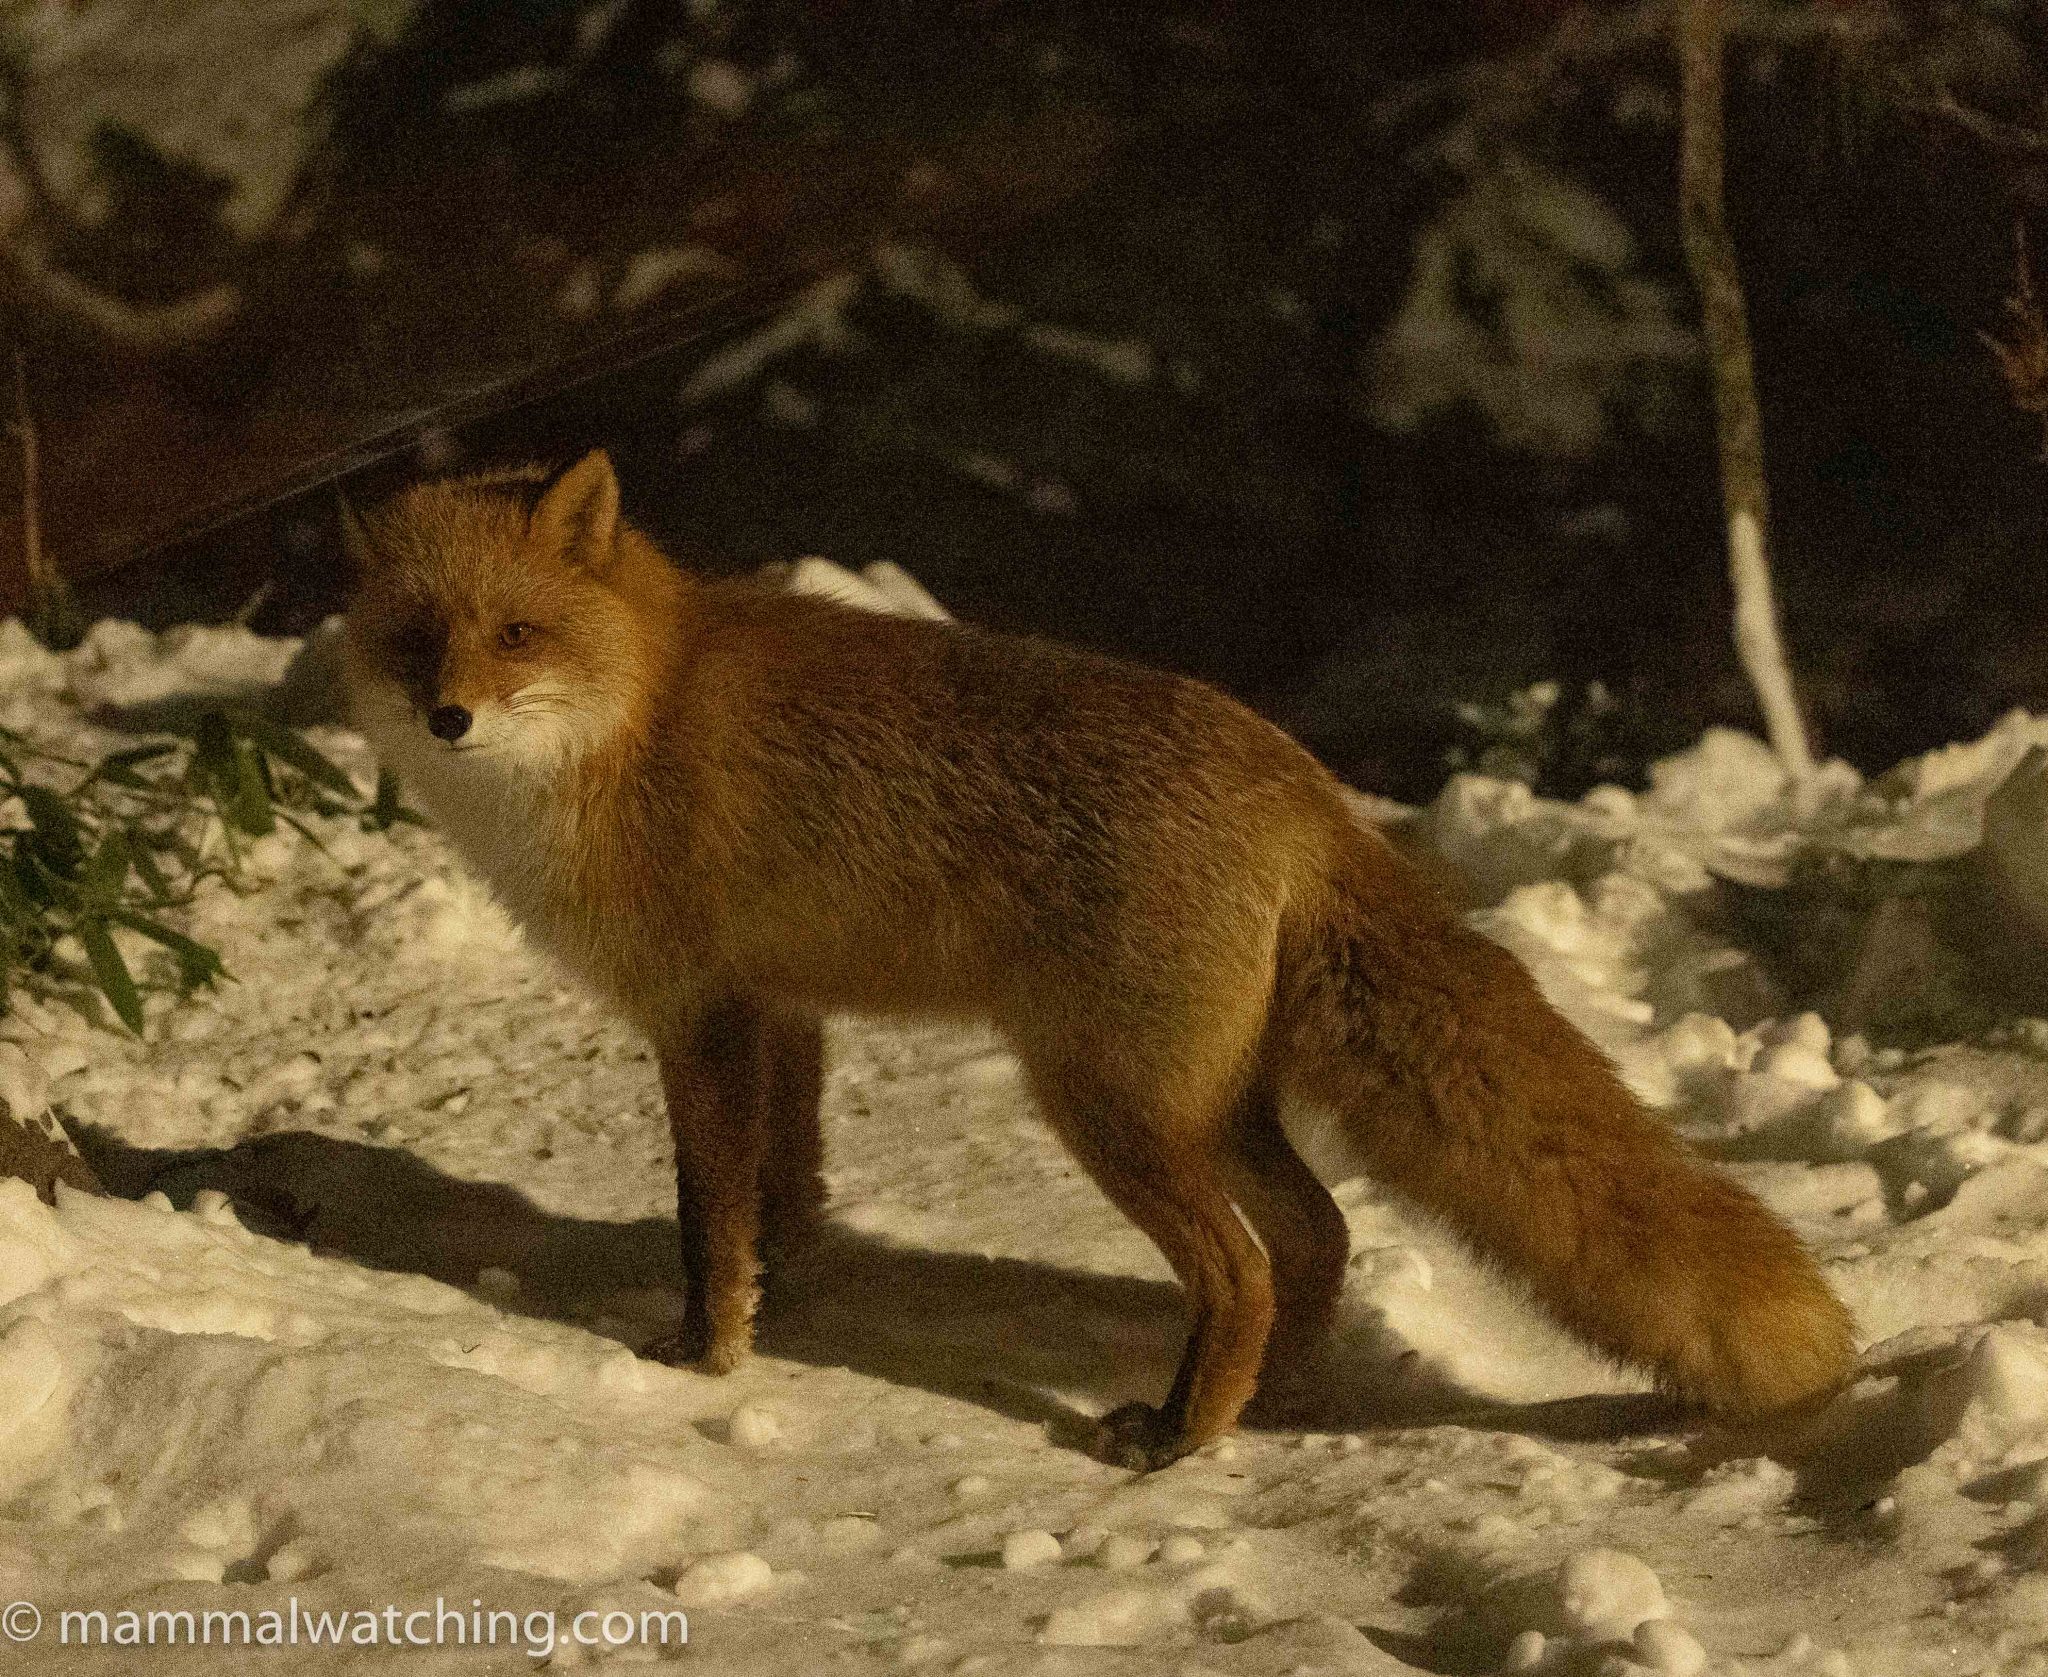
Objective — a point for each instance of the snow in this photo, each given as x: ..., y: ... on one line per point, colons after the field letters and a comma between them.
x: 231, y: 89
x: 721, y: 87
x: 926, y: 278
x: 1121, y: 360
x: 717, y: 1580
x: 651, y: 272
x: 396, y: 1210
x: 1527, y: 303
x: 1023, y: 1549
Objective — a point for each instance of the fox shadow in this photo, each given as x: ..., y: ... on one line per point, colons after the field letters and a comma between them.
x: 1029, y: 1340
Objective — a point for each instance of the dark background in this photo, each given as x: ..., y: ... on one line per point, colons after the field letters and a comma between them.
x: 1276, y: 483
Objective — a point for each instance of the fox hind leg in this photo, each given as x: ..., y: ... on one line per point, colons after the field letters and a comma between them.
x: 1307, y: 1243
x: 1169, y: 1181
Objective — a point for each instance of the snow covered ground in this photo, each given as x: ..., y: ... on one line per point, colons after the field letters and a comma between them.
x: 363, y: 1341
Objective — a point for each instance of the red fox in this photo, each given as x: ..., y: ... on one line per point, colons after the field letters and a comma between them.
x: 732, y: 811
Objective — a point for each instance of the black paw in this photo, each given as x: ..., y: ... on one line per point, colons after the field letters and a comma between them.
x: 1139, y: 1437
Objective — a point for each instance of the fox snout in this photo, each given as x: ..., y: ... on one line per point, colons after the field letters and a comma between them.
x: 465, y: 692
x: 448, y: 722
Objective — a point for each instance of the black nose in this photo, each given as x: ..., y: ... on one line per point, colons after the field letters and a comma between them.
x: 448, y: 722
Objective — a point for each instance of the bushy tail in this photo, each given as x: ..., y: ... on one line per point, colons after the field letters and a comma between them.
x: 1468, y: 1094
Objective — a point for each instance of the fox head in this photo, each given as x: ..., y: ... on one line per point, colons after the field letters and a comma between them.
x: 498, y: 618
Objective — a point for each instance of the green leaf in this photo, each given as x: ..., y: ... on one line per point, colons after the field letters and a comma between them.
x: 250, y: 800
x: 14, y: 901
x: 112, y: 972
x: 28, y: 876
x: 291, y: 748
x: 50, y: 887
x: 305, y: 831
x: 213, y: 756
x: 197, y: 962
x: 188, y: 856
x: 387, y: 809
x: 58, y: 840
x: 384, y: 21
x: 132, y: 836
x: 384, y: 807
x: 138, y: 754
x: 104, y: 873
x: 119, y: 767
x: 232, y: 772
x: 153, y: 874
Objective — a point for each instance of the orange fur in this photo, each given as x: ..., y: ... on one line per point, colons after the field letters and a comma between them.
x: 732, y: 811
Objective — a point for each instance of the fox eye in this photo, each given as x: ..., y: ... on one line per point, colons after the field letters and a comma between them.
x: 514, y: 634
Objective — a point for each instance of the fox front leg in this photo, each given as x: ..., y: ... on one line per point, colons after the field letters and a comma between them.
x: 714, y: 1076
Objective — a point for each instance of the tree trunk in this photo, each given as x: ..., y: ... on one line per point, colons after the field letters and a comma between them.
x: 1710, y: 254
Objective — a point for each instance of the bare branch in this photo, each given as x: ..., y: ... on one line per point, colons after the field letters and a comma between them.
x: 23, y: 429
x: 52, y: 613
x: 2008, y: 139
x: 144, y: 328
x: 2022, y: 349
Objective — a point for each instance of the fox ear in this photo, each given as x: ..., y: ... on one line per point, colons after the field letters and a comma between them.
x: 578, y: 515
